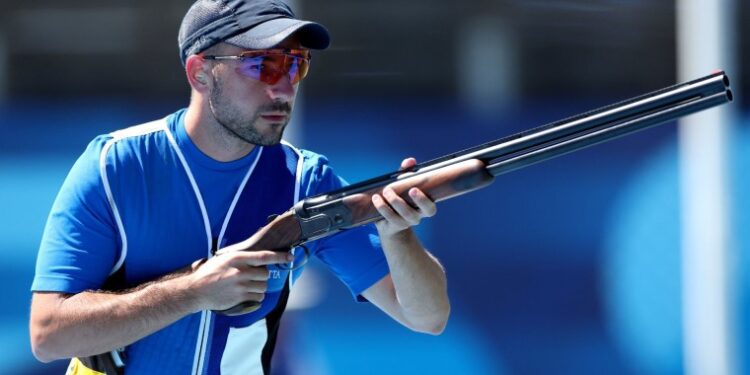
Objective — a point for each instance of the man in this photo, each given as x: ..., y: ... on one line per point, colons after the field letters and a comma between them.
x: 122, y: 277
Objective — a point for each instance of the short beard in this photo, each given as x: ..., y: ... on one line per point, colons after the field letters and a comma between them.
x: 230, y: 119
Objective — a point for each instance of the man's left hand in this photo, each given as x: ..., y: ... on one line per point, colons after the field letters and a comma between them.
x: 397, y: 214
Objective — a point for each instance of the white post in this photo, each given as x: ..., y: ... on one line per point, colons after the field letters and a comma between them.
x: 704, y: 37
x: 487, y: 65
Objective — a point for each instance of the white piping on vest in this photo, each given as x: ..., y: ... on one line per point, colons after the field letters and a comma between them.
x: 197, y: 192
x: 297, y: 183
x: 237, y: 196
x: 197, y: 360
x: 205, y: 325
x: 199, y: 342
x: 133, y: 131
x: 298, y: 172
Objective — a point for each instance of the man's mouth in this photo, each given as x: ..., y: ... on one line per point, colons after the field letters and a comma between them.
x: 274, y: 117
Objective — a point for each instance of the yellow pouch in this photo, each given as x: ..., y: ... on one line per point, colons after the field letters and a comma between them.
x: 77, y: 367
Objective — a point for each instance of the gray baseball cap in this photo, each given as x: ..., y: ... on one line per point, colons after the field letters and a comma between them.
x: 250, y: 24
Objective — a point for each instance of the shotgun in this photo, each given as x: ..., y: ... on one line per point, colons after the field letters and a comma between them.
x: 476, y: 167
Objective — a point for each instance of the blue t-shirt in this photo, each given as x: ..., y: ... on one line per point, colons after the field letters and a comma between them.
x: 145, y: 201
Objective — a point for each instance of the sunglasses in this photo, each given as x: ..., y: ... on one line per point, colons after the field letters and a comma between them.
x: 270, y: 65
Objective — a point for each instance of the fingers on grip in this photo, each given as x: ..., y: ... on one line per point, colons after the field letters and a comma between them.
x: 263, y: 257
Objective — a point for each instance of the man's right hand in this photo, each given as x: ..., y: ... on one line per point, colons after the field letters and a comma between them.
x: 231, y: 278
x: 92, y: 322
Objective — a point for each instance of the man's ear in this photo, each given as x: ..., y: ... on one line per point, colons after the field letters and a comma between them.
x: 196, y: 70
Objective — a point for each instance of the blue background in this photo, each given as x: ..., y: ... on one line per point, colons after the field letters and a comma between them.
x: 571, y: 266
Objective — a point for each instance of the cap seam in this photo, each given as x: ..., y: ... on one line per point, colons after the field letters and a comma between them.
x: 272, y: 35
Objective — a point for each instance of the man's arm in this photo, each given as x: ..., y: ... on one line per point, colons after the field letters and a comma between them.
x: 90, y: 323
x: 415, y: 292
x: 95, y: 322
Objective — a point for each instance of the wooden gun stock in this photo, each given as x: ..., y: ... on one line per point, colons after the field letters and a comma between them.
x: 439, y: 185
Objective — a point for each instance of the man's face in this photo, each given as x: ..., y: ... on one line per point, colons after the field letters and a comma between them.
x: 254, y: 111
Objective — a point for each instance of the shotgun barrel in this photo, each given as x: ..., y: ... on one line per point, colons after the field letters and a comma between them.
x: 475, y: 167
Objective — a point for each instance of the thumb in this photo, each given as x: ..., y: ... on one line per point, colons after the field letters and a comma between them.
x: 408, y: 163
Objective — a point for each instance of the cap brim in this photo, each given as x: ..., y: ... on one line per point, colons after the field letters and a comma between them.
x: 270, y: 33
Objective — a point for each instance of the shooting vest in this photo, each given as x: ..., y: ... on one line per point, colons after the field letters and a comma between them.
x: 145, y: 174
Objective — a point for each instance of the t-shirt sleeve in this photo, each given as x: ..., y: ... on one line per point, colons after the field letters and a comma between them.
x: 354, y: 255
x: 79, y: 244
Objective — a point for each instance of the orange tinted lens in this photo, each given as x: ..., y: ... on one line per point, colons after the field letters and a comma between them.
x: 297, y: 68
x: 270, y: 68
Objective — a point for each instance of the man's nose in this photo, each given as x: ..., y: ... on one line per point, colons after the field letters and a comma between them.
x: 283, y: 89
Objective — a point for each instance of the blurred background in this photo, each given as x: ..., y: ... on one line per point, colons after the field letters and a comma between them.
x: 574, y: 266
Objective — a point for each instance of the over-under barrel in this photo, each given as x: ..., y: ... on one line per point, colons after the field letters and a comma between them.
x: 475, y: 167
